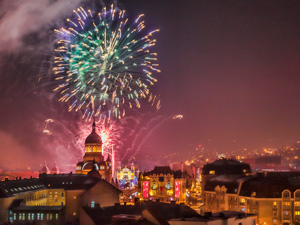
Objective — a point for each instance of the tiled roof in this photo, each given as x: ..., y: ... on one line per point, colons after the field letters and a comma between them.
x: 271, y: 184
x: 226, y: 166
x: 166, y: 210
x: 14, y: 187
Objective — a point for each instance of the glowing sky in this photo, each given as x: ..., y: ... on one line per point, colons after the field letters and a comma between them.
x: 232, y: 68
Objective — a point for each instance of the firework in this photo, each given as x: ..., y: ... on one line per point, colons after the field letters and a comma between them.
x: 104, y: 63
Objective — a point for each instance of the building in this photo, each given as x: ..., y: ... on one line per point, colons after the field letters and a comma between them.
x: 273, y: 196
x: 164, y: 184
x: 127, y: 176
x: 143, y: 212
x: 56, y: 198
x: 224, y: 167
x: 93, y: 157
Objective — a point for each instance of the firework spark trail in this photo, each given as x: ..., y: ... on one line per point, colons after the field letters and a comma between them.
x: 104, y: 61
x: 138, y: 137
x: 138, y: 148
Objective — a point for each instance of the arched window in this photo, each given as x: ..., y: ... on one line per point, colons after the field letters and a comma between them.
x: 286, y: 194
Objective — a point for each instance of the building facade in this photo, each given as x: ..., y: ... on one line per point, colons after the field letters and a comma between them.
x: 164, y: 184
x: 273, y: 196
x: 54, y: 198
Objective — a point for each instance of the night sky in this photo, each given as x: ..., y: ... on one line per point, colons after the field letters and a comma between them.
x: 231, y: 68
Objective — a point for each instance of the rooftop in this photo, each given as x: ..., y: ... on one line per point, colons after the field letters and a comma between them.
x: 14, y: 187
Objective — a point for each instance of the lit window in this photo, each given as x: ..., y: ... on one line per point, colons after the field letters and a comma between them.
x: 50, y: 216
x: 56, y: 216
x: 74, y: 197
x: 297, y: 203
x: 47, y: 216
x: 42, y: 216
x: 29, y: 216
x: 74, y: 213
x: 32, y: 216
x: 274, y: 203
x: 93, y: 204
x: 242, y: 200
x: 23, y: 216
x: 297, y: 213
x: 38, y: 216
x: 15, y: 216
x: 20, y: 216
x: 212, y: 172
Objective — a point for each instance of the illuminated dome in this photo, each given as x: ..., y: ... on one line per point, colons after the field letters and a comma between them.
x: 93, y: 138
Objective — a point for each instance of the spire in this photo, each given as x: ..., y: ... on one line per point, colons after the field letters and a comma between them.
x: 94, y: 125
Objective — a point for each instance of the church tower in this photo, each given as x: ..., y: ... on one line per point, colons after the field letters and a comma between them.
x: 93, y: 147
x: 93, y: 158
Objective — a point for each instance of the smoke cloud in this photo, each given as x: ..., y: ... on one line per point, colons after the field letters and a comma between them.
x: 22, y: 17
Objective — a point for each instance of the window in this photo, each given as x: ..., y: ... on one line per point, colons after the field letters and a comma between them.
x: 62, y: 194
x: 168, y: 186
x: 286, y: 194
x: 286, y: 203
x: 56, y: 216
x: 254, y: 222
x: 50, y: 215
x: 242, y: 200
x: 20, y: 216
x: 38, y: 216
x: 42, y: 216
x: 154, y: 185
x: 74, y: 197
x: 32, y: 216
x: 93, y: 204
x: 274, y: 203
x: 29, y: 216
x: 74, y: 213
x: 15, y: 216
x: 212, y: 172
x: 23, y: 216
x: 286, y: 213
x: 274, y: 221
x: 297, y: 203
x: 47, y: 216
x: 297, y: 213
